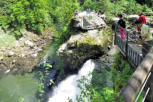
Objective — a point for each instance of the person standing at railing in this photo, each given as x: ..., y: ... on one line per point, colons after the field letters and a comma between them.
x: 146, y: 36
x: 122, y: 26
x: 141, y: 18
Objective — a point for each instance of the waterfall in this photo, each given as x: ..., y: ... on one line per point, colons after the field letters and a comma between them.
x: 68, y: 87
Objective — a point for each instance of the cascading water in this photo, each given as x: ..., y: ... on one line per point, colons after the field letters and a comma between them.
x: 68, y: 89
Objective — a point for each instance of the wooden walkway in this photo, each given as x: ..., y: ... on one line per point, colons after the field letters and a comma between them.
x: 142, y: 61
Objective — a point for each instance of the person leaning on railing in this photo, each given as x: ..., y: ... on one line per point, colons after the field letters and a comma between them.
x: 122, y: 26
x: 142, y: 18
x: 146, y: 36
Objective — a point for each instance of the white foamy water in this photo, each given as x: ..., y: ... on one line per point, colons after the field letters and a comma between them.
x: 68, y: 87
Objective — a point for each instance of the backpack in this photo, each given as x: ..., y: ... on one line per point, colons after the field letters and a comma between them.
x: 121, y: 22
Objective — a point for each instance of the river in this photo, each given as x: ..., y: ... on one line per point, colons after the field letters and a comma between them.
x: 23, y: 87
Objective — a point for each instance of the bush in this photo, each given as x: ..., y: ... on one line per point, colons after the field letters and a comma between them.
x: 100, y: 89
x: 116, y: 6
x: 35, y: 15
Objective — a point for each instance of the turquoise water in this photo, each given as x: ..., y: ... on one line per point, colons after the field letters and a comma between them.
x: 18, y: 88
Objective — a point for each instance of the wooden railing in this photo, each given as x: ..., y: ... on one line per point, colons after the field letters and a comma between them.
x: 138, y: 79
x: 143, y: 64
x: 132, y: 55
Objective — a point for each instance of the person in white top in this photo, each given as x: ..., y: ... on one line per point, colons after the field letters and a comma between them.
x: 146, y: 36
x: 145, y: 31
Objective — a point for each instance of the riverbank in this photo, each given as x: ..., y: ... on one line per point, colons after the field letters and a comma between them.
x: 24, y: 54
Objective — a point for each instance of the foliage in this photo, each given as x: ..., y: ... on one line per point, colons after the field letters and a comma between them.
x: 101, y: 90
x: 35, y: 15
x: 107, y: 37
x: 47, y: 65
x: 30, y: 14
x: 114, y: 7
x: 21, y: 99
x: 121, y: 72
x: 62, y: 13
x: 42, y: 75
x: 97, y: 90
x: 148, y: 2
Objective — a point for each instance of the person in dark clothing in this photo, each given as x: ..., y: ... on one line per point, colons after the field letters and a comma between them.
x: 122, y: 26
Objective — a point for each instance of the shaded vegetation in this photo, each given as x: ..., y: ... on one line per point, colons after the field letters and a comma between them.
x: 102, y: 90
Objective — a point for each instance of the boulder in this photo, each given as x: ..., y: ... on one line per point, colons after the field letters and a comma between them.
x: 132, y: 17
x: 81, y: 47
x: 88, y: 21
x: 115, y: 19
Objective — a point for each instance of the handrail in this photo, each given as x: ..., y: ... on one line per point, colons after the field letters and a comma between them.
x: 133, y: 56
x: 130, y: 91
x: 143, y: 87
x: 146, y: 94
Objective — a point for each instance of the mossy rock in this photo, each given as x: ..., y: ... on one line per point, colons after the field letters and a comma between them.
x: 84, y: 46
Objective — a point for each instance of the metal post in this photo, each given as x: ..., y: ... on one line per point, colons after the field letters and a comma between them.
x: 146, y: 94
x: 115, y: 34
x: 143, y: 87
x: 126, y: 47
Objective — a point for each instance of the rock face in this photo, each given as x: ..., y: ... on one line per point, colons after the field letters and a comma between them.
x: 88, y: 20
